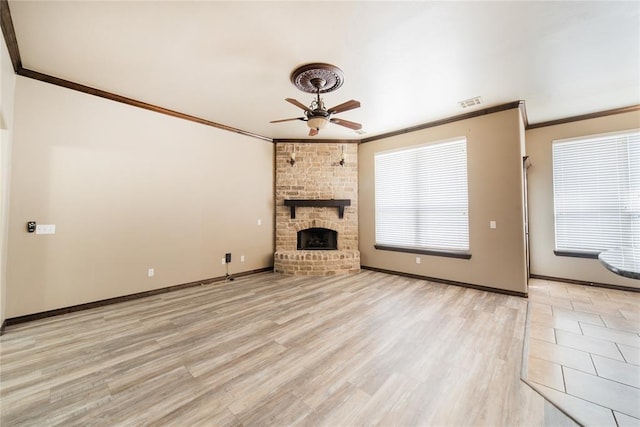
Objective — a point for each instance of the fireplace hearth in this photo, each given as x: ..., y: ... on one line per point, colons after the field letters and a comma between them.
x: 317, y: 239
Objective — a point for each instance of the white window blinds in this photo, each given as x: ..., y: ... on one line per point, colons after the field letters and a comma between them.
x: 421, y: 197
x: 596, y: 188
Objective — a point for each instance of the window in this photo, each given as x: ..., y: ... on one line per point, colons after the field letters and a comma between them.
x: 596, y: 189
x: 421, y: 199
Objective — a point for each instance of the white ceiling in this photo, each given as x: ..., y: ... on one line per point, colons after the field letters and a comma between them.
x: 407, y: 62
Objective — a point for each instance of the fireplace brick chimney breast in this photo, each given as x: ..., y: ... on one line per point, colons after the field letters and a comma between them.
x: 316, y: 175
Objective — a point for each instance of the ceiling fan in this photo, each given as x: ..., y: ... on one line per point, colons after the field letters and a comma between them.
x: 320, y: 78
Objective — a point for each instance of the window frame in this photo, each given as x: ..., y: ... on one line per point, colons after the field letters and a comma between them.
x: 424, y: 250
x: 588, y: 253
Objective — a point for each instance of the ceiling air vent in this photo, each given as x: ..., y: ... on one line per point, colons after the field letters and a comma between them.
x: 471, y: 102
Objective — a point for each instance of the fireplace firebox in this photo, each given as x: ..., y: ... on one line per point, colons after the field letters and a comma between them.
x: 317, y: 239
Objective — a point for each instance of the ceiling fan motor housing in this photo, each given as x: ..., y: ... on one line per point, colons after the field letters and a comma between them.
x: 318, y: 117
x: 320, y: 78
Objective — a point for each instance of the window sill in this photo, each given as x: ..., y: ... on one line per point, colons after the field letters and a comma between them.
x: 577, y: 254
x: 434, y: 252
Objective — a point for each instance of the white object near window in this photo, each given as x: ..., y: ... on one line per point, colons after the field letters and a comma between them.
x: 596, y: 189
x: 422, y: 198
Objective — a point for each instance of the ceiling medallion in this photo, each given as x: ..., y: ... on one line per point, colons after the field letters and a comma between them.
x: 317, y: 78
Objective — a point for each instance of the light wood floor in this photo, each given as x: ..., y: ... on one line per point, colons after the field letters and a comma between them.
x: 365, y: 349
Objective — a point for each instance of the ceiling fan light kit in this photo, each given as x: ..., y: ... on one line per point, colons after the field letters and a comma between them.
x: 320, y: 78
x: 317, y: 122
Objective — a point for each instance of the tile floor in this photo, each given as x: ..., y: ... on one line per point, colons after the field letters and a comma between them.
x: 584, y: 351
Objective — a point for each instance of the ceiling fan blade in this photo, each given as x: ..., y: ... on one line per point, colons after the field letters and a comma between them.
x: 347, y: 124
x: 313, y: 132
x: 298, y: 104
x: 288, y: 120
x: 345, y: 106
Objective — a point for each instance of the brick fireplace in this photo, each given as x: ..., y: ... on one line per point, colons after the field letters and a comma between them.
x: 317, y: 193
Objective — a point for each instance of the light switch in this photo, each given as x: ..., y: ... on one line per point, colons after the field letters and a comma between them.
x: 492, y: 224
x: 46, y: 229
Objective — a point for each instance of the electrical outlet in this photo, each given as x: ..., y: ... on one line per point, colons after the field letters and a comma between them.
x: 418, y: 260
x: 492, y: 224
x: 223, y: 261
x: 259, y: 222
x: 150, y: 272
x: 241, y: 258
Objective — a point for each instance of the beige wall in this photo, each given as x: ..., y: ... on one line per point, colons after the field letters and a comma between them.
x: 495, y: 194
x: 7, y: 90
x: 541, y: 217
x: 128, y: 190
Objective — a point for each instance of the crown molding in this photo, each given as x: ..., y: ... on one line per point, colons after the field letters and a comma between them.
x: 584, y: 117
x: 130, y: 101
x: 314, y: 141
x: 10, y: 35
x: 8, y: 31
x: 447, y: 120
